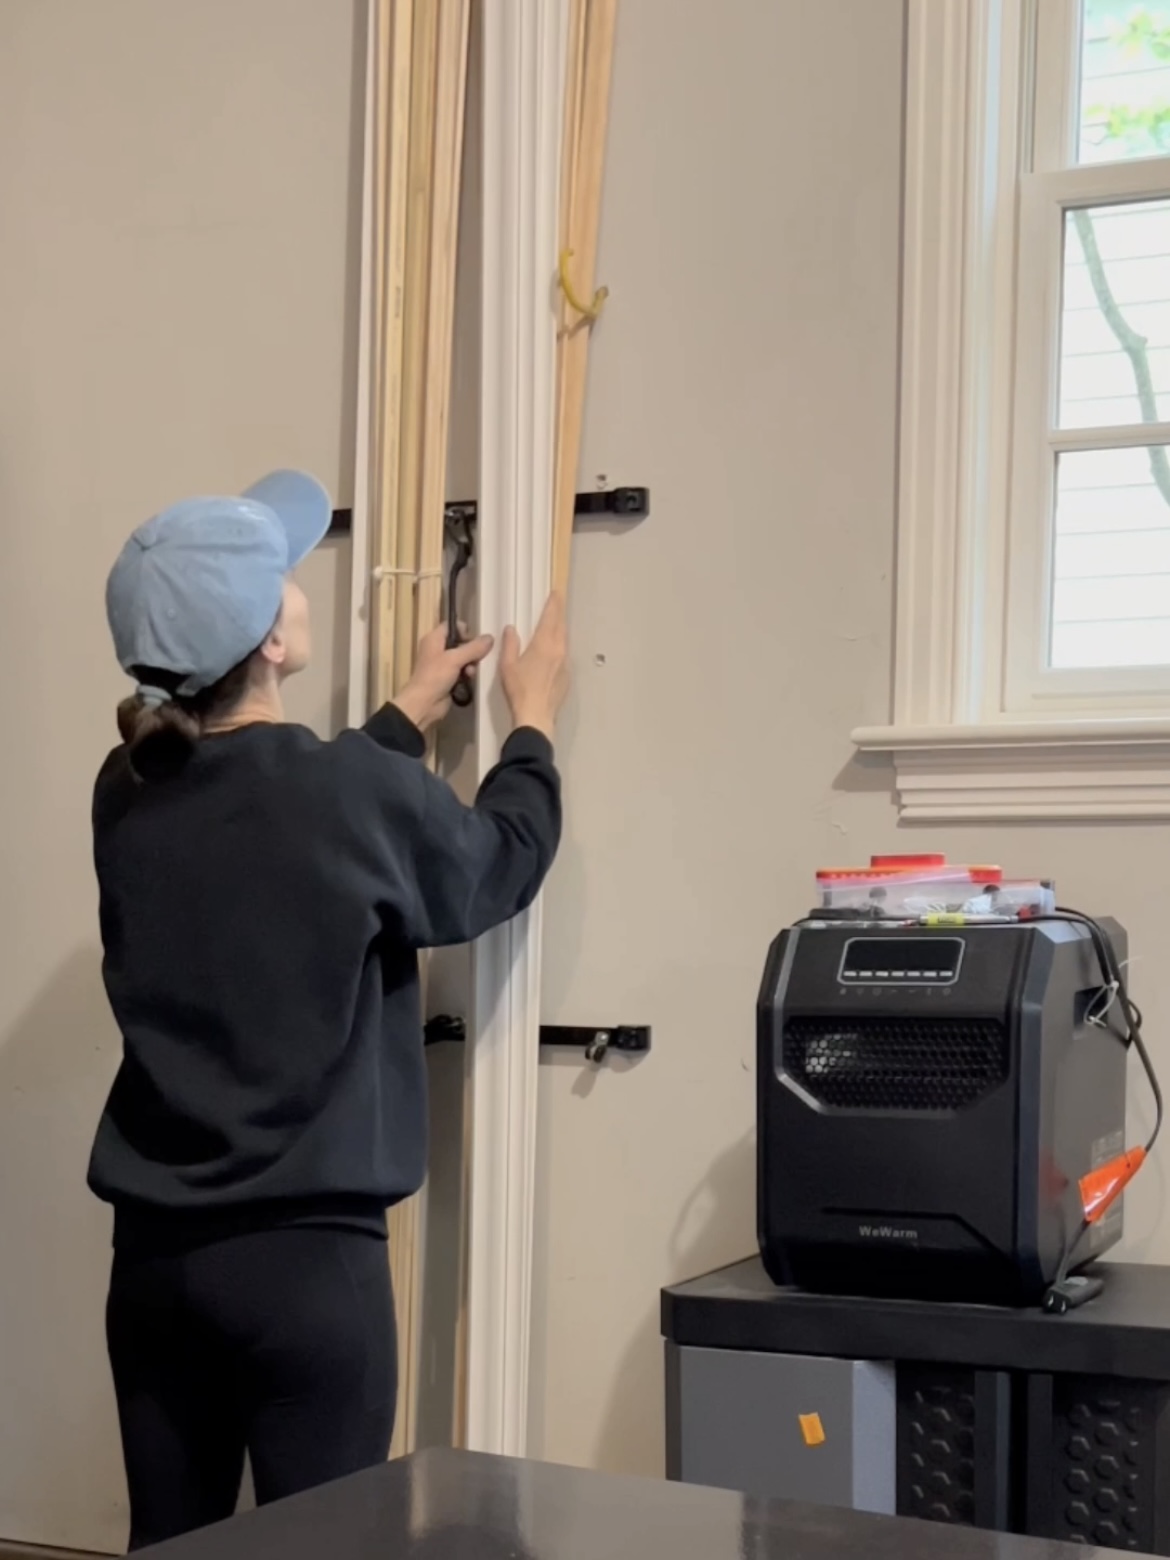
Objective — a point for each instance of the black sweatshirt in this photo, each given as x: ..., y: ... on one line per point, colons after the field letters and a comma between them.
x: 261, y: 914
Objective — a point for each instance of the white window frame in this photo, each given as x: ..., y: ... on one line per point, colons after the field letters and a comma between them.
x: 524, y: 50
x: 975, y: 734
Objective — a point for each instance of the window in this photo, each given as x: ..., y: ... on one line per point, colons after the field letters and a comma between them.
x: 1033, y: 619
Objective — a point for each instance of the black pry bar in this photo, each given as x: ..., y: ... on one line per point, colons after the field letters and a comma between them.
x: 620, y: 503
x: 458, y: 523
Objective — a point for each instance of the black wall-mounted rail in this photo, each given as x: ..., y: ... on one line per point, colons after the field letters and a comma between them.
x: 621, y: 503
x: 595, y: 1041
x: 623, y: 1039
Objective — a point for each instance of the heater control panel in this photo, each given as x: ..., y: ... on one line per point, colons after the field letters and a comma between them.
x: 901, y: 961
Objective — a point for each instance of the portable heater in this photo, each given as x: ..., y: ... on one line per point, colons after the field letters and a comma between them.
x: 933, y: 1102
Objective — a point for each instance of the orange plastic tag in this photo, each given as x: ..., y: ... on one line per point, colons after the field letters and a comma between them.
x: 812, y: 1429
x: 1103, y: 1186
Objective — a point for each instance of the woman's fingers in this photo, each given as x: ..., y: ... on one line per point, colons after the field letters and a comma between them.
x: 473, y: 651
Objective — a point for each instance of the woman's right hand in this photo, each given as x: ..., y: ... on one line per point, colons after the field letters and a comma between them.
x: 426, y: 698
x: 536, y: 679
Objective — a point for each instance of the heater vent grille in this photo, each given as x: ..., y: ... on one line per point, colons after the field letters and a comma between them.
x: 892, y: 1064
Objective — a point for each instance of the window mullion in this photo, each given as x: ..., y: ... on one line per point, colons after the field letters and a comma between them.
x: 1123, y: 436
x: 1104, y: 184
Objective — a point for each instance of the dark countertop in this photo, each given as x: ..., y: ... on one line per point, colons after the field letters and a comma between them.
x: 455, y: 1506
x: 1124, y: 1332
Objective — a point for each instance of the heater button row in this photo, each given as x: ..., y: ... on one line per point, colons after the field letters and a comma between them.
x: 925, y: 976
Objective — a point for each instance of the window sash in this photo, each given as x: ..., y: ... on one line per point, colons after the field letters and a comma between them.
x: 1055, y: 187
x: 958, y: 754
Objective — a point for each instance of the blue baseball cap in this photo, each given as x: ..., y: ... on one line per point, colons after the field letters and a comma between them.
x: 197, y: 589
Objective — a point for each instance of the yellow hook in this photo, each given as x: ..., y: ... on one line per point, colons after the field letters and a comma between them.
x: 588, y: 311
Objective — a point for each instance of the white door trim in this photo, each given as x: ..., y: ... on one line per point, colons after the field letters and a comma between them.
x: 523, y: 74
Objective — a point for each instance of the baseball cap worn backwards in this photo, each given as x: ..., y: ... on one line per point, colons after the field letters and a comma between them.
x: 197, y: 588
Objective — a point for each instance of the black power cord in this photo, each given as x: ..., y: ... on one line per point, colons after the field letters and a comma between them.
x: 1065, y: 1293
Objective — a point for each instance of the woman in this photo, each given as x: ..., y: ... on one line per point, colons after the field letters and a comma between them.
x: 263, y: 898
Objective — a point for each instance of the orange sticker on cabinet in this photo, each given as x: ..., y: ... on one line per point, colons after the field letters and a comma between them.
x: 812, y: 1429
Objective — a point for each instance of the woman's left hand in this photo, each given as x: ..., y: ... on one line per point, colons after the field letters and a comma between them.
x: 426, y: 698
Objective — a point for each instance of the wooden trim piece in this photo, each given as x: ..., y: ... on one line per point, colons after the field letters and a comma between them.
x: 416, y: 319
x: 451, y: 60
x: 524, y: 52
x: 589, y: 72
x: 450, y: 100
x: 574, y: 92
x: 416, y: 83
x: 405, y: 287
x: 393, y: 82
x: 360, y: 541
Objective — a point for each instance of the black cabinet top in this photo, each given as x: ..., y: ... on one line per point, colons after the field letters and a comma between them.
x: 1124, y: 1332
x: 455, y: 1506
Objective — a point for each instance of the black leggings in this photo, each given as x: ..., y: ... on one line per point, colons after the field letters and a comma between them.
x: 278, y: 1344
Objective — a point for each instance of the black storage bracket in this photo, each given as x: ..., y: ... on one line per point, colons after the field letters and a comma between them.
x: 622, y: 1039
x: 444, y: 1027
x: 626, y: 1039
x: 621, y: 503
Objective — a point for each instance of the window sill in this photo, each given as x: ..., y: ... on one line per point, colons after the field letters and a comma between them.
x: 1071, y: 770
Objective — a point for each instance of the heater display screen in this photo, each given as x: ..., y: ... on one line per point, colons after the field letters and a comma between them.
x: 901, y: 961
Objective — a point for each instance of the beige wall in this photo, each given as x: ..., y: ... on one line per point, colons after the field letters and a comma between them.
x: 177, y: 272
x: 746, y: 369
x: 178, y: 203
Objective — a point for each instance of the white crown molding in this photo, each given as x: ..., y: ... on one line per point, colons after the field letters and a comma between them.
x: 1075, y: 771
x: 523, y: 70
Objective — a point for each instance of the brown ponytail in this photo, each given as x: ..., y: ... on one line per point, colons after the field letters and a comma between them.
x: 161, y: 737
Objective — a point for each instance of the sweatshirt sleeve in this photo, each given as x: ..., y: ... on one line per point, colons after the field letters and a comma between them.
x: 395, y: 732
x: 448, y: 872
